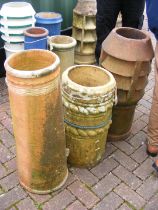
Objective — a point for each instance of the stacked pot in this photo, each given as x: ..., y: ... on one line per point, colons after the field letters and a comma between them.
x: 127, y: 54
x: 15, y: 18
x: 84, y: 31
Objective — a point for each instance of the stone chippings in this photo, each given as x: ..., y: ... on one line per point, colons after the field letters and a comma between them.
x: 124, y: 180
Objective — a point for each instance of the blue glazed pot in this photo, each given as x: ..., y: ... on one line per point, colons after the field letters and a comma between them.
x: 49, y: 20
x: 35, y: 38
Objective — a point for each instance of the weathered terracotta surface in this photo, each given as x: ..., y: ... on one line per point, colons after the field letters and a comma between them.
x: 64, y: 47
x: 88, y: 102
x: 122, y: 118
x: 156, y: 54
x: 84, y: 31
x: 86, y: 7
x: 124, y: 99
x: 127, y: 54
x: 129, y: 44
x: 36, y: 108
x: 131, y: 77
x: 80, y: 58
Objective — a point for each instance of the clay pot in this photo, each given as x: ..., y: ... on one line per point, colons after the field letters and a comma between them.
x: 88, y: 102
x: 84, y: 31
x: 64, y: 47
x: 35, y: 100
x: 127, y: 54
x: 128, y: 44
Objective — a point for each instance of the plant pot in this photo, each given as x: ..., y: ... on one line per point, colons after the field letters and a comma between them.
x: 122, y: 118
x: 88, y: 102
x: 127, y: 54
x: 49, y: 20
x: 64, y: 47
x: 35, y: 38
x: 35, y: 100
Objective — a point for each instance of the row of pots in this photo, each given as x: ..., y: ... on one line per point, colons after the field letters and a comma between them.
x: 88, y: 93
x: 41, y: 149
x: 17, y: 17
x: 37, y: 38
